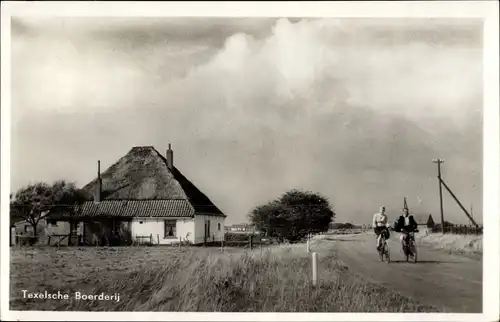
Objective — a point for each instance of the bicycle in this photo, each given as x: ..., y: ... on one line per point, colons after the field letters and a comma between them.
x: 409, y: 247
x: 383, y: 250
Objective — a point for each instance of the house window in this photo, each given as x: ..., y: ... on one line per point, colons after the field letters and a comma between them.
x: 218, y: 226
x: 53, y: 223
x: 169, y: 228
x: 140, y: 222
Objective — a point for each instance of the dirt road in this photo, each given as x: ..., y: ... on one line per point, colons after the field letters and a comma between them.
x: 451, y: 283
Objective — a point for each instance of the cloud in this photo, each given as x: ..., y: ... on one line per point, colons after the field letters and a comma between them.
x: 299, y: 72
x: 353, y: 109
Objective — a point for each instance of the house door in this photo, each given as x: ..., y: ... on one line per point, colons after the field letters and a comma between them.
x: 207, y: 229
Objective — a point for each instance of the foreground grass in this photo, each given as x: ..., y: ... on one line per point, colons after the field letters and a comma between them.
x: 276, y: 279
x: 471, y: 245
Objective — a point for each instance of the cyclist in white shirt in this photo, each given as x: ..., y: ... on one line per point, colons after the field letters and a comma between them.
x: 380, y: 224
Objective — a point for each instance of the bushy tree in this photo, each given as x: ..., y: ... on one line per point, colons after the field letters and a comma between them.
x: 342, y: 226
x: 292, y: 216
x: 35, y: 201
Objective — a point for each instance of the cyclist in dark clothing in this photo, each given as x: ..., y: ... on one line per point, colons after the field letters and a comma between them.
x: 406, y: 225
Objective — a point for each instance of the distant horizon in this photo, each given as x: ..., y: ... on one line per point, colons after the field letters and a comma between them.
x: 437, y: 221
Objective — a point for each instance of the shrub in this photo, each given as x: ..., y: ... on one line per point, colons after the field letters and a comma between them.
x: 294, y: 215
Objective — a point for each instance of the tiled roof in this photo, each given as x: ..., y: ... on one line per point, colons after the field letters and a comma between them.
x: 130, y: 208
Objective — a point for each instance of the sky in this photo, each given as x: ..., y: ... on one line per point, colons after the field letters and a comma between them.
x: 353, y: 109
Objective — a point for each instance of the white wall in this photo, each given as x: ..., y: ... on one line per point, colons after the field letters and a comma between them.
x: 215, y: 233
x: 155, y: 226
x: 60, y: 228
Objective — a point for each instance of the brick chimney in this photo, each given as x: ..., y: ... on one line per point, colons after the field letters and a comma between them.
x: 170, y: 157
x: 98, y: 192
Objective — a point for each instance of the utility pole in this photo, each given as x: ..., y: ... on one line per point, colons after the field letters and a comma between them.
x: 439, y: 161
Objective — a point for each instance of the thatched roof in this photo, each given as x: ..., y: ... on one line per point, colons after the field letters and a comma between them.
x: 129, y: 209
x: 143, y: 174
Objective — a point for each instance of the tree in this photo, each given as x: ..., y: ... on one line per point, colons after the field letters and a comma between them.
x: 35, y: 201
x: 430, y: 222
x: 292, y: 216
x: 342, y: 226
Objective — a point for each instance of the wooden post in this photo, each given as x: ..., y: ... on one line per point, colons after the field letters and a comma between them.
x: 458, y: 202
x: 158, y: 238
x: 314, y: 270
x: 251, y: 242
x: 151, y: 238
x: 71, y: 227
x: 439, y: 161
x: 213, y: 238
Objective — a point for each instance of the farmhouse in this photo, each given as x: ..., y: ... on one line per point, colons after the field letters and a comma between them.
x: 142, y: 197
x: 22, y: 228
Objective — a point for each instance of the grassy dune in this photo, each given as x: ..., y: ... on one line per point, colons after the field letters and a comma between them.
x: 276, y: 279
x: 458, y: 244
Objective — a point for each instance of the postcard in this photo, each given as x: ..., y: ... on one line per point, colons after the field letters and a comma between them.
x: 305, y: 161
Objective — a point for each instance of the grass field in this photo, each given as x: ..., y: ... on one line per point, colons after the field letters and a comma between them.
x: 471, y: 245
x: 276, y: 279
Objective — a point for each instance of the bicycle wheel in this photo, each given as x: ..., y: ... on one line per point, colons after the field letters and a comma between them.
x: 380, y: 250
x: 414, y: 252
x: 406, y: 253
x: 381, y: 254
